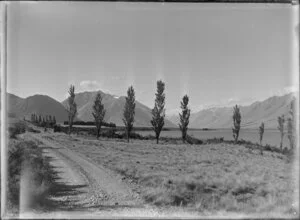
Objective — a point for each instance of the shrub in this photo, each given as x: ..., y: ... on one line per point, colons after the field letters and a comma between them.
x: 17, y: 128
x: 57, y: 128
x: 111, y: 133
x: 33, y: 130
x: 192, y: 140
x: 214, y: 140
x: 26, y: 155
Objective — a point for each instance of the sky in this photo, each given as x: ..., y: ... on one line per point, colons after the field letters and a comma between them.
x: 217, y: 54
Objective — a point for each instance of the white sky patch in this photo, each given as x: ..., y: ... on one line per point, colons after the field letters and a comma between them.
x: 295, y: 51
x: 130, y: 79
x: 284, y: 91
x: 160, y: 75
x: 91, y: 85
x: 66, y: 95
x: 88, y: 85
x: 184, y: 84
x: 71, y: 82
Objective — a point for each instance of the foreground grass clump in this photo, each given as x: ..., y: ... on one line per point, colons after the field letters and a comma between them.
x: 207, y: 177
x: 25, y: 158
x: 16, y: 128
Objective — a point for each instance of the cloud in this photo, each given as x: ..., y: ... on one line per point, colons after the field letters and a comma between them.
x: 88, y: 85
x: 91, y: 85
x: 285, y: 90
x: 230, y: 102
x: 290, y: 89
x: 66, y: 95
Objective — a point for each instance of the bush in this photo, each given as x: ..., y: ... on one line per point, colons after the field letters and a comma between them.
x: 57, y: 128
x: 214, y: 140
x: 26, y: 155
x: 192, y: 140
x: 111, y: 133
x: 133, y: 135
x: 92, y: 123
x: 17, y: 128
x: 33, y: 130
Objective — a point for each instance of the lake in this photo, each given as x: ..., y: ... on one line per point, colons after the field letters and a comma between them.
x: 271, y: 136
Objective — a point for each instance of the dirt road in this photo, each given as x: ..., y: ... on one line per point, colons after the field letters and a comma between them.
x: 85, y: 189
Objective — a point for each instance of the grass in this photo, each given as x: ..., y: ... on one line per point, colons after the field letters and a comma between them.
x: 25, y: 158
x: 209, y: 177
x: 120, y: 134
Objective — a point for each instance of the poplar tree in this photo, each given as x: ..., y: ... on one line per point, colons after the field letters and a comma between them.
x: 129, y: 111
x: 184, y: 117
x: 280, y: 127
x: 291, y: 128
x: 237, y: 118
x: 98, y: 113
x: 261, y: 134
x: 158, y: 112
x: 72, y: 107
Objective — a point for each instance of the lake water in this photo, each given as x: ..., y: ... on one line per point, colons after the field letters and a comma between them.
x: 271, y: 136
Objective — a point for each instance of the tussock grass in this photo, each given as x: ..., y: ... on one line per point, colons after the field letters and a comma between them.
x: 16, y: 128
x: 210, y: 177
x: 25, y: 157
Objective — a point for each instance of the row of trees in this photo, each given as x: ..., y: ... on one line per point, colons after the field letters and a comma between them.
x: 91, y: 123
x: 281, y: 124
x: 158, y: 112
x: 158, y: 115
x: 290, y: 127
x: 43, y: 121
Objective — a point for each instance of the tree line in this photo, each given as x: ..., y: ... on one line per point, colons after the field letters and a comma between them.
x: 43, y: 121
x: 158, y: 112
x: 158, y: 115
x: 91, y: 123
x: 291, y: 127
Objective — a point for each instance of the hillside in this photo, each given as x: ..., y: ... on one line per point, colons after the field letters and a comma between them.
x: 39, y: 104
x: 265, y: 111
x: 114, y: 109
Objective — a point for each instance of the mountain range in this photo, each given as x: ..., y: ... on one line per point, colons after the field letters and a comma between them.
x: 45, y: 105
x: 265, y: 111
x: 39, y: 104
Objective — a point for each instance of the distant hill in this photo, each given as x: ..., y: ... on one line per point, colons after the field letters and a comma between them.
x: 39, y: 104
x: 265, y: 111
x: 114, y: 106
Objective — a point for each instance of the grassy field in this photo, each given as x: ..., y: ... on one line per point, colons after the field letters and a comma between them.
x: 207, y: 178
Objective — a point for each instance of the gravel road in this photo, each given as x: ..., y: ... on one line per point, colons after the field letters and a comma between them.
x: 87, y: 190
x: 98, y: 186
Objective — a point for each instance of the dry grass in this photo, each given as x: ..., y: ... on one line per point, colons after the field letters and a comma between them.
x: 212, y: 177
x: 25, y: 160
